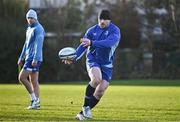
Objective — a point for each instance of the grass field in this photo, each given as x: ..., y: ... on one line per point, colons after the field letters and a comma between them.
x: 139, y: 101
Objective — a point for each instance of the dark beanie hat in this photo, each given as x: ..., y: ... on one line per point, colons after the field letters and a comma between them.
x: 104, y: 14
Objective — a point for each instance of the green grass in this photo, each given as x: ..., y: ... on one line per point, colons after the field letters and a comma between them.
x: 125, y: 102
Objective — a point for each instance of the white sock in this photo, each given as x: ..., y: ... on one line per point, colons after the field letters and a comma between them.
x: 33, y: 96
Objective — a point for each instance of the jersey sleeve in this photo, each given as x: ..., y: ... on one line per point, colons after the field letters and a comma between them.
x: 22, y: 56
x: 80, y: 51
x: 38, y: 44
x: 112, y: 39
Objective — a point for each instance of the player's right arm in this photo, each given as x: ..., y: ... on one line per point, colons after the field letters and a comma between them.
x: 85, y: 42
x: 79, y: 53
x: 22, y: 56
x: 81, y: 49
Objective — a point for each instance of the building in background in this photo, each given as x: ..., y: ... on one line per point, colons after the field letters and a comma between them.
x: 45, y: 4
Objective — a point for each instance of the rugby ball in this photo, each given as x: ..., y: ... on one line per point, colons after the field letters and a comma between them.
x: 67, y: 53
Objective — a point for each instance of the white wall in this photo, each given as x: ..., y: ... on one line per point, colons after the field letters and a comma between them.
x: 39, y: 4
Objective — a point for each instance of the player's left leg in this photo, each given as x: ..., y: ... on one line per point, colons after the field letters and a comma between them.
x: 101, y: 88
x: 33, y: 77
x: 99, y: 92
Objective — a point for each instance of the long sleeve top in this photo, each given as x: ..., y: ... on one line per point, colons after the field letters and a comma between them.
x: 32, y: 49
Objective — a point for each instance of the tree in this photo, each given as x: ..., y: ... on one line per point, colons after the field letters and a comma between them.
x: 12, y: 33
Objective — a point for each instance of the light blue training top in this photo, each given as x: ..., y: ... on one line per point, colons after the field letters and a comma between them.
x: 32, y: 49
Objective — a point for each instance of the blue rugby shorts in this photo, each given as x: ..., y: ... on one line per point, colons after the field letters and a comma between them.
x: 28, y: 66
x: 105, y: 71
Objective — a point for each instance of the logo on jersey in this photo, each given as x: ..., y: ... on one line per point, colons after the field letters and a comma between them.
x: 106, y: 33
x: 94, y: 34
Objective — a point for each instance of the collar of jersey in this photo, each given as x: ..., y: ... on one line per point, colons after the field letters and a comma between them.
x: 33, y: 25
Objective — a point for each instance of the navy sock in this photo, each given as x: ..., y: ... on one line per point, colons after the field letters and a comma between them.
x: 93, y: 102
x: 89, y: 93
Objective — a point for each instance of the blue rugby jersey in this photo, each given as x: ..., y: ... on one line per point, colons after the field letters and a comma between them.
x: 104, y: 41
x: 32, y: 49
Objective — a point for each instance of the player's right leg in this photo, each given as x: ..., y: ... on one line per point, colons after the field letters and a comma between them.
x: 80, y: 117
x: 96, y: 77
x: 23, y: 77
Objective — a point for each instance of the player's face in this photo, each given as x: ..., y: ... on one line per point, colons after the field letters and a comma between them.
x: 103, y: 23
x: 31, y: 20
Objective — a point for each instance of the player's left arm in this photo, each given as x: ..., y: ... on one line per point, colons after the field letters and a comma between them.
x: 39, y: 39
x: 112, y: 39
